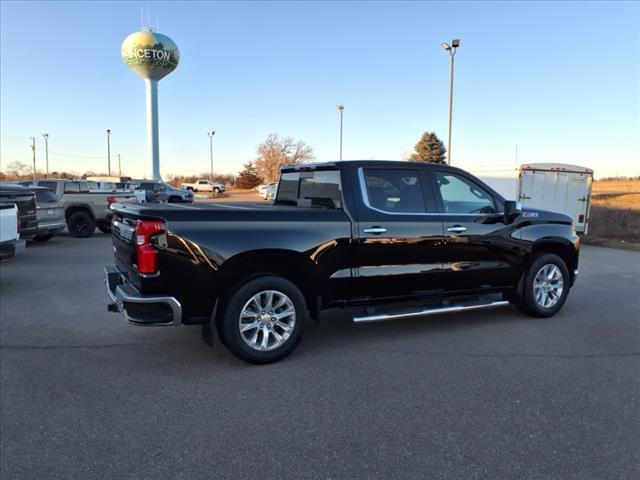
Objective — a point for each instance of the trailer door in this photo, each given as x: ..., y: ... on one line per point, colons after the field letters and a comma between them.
x: 557, y: 191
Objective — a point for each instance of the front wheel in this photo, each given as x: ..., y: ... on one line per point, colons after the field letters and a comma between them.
x: 81, y: 224
x: 216, y: 190
x: 546, y: 286
x: 263, y: 320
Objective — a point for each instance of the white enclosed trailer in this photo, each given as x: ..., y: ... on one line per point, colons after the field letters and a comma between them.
x: 557, y: 187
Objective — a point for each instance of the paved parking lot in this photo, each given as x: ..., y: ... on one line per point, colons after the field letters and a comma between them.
x: 476, y: 395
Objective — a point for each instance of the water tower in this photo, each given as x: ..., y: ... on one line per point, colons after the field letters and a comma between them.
x: 152, y: 56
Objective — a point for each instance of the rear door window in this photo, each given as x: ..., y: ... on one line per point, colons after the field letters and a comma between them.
x: 394, y: 190
x: 71, y: 187
x: 321, y: 188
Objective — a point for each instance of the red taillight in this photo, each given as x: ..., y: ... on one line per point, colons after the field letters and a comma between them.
x: 146, y: 252
x: 111, y: 200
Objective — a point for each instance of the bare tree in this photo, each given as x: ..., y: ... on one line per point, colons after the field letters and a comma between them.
x: 17, y: 169
x: 276, y: 151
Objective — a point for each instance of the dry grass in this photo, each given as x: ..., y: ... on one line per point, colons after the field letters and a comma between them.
x: 619, y: 186
x: 615, y: 214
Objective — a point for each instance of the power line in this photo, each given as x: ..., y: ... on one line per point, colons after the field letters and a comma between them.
x: 60, y: 154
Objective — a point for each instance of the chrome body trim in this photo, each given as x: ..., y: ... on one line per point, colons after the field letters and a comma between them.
x: 376, y: 230
x: 120, y: 292
x: 430, y: 311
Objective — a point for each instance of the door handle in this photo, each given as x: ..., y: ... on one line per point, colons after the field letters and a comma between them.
x: 456, y: 229
x: 376, y: 230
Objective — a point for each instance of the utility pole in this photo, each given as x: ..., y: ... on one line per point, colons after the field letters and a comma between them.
x: 211, y: 134
x: 119, y: 167
x: 341, y: 108
x: 109, y: 152
x: 33, y: 149
x: 451, y: 49
x: 46, y: 153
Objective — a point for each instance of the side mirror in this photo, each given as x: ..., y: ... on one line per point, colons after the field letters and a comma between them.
x: 512, y: 209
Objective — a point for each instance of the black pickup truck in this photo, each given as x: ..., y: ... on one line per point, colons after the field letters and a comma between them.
x: 390, y: 239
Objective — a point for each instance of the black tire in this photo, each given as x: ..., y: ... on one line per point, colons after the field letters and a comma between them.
x: 528, y: 302
x: 104, y: 227
x: 228, y: 322
x: 42, y: 238
x: 81, y: 225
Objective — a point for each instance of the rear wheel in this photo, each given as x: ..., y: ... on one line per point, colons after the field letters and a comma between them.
x: 42, y: 238
x: 546, y: 286
x: 81, y: 225
x: 263, y: 320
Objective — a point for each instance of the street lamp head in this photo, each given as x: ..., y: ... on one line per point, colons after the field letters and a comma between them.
x: 455, y: 43
x: 45, y: 135
x: 446, y: 46
x: 108, y: 131
x: 341, y: 107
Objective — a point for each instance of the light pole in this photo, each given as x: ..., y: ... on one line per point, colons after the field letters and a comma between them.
x: 211, y: 134
x: 341, y: 108
x: 46, y: 153
x: 33, y: 149
x: 451, y: 49
x: 109, y: 152
x: 119, y: 167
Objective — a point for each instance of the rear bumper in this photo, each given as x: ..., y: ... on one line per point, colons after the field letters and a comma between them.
x: 11, y: 248
x: 50, y: 228
x: 139, y: 309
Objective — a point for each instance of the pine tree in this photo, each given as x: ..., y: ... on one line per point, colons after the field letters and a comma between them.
x: 429, y: 149
x: 248, y: 177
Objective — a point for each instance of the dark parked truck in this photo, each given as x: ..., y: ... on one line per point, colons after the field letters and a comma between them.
x: 386, y: 239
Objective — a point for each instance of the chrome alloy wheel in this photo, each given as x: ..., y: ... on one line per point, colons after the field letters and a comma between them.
x: 267, y: 320
x: 548, y: 285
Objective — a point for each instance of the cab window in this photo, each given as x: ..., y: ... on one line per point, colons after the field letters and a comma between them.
x: 461, y: 195
x: 394, y: 190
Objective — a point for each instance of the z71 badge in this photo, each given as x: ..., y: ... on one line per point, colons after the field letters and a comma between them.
x: 529, y: 214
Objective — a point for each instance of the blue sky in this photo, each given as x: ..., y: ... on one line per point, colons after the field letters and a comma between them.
x: 559, y: 80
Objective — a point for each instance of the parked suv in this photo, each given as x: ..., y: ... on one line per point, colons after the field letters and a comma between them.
x: 178, y: 195
x: 49, y: 214
x: 155, y: 192
x: 25, y: 200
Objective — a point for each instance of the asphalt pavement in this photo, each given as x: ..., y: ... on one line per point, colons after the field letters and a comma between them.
x: 492, y: 394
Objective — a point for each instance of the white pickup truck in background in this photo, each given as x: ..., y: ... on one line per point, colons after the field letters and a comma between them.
x: 204, y: 186
x: 10, y: 243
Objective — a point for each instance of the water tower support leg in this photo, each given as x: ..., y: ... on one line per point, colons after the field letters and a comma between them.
x: 153, y: 142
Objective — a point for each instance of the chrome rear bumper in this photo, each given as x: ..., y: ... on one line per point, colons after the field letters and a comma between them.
x: 138, y: 309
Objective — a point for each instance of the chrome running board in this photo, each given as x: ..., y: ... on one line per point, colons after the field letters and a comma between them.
x: 379, y: 317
